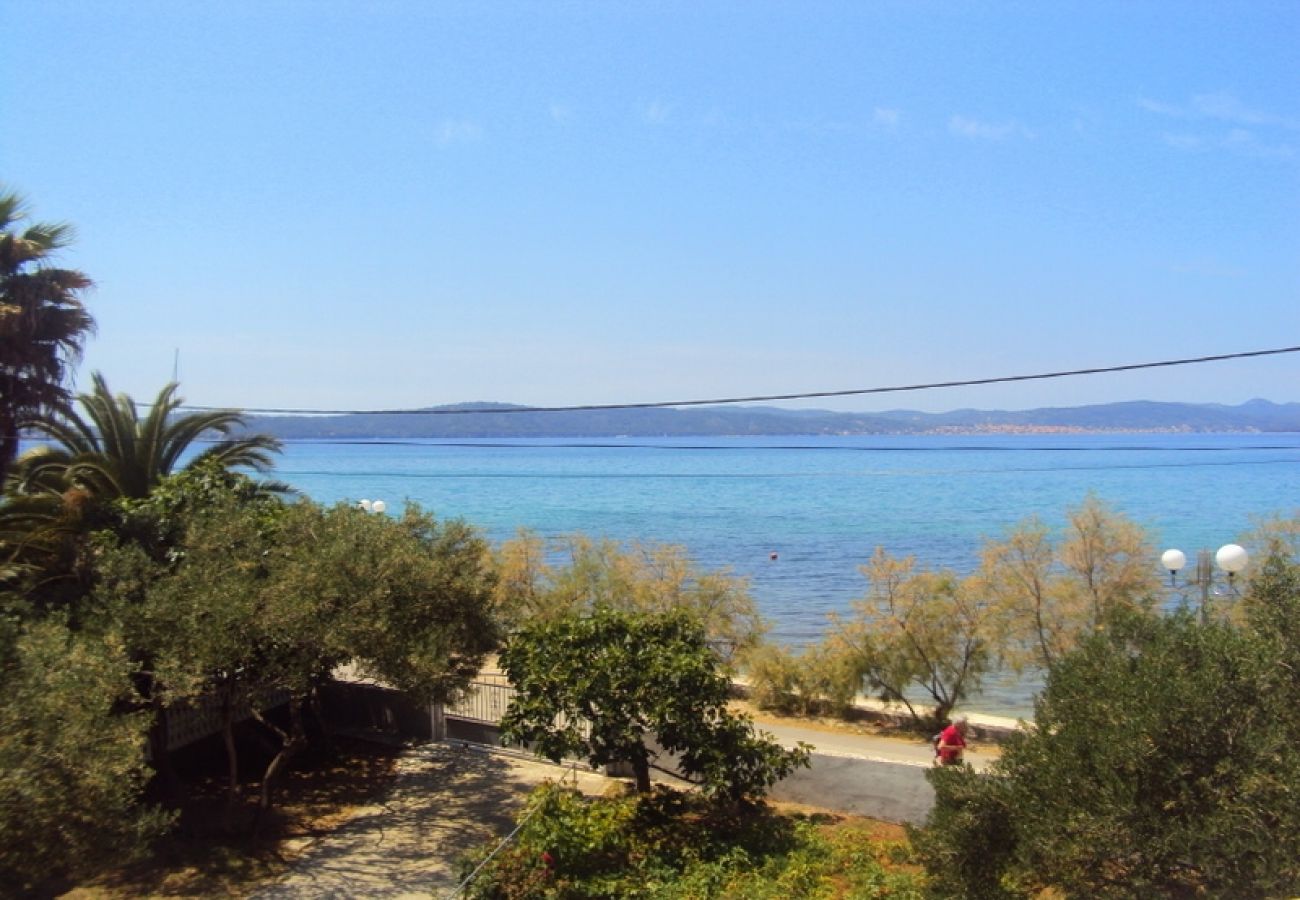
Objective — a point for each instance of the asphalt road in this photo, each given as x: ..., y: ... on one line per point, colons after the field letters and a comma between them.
x: 883, y: 778
x: 894, y: 792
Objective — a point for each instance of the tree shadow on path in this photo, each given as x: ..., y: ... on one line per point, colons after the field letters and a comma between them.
x: 445, y: 801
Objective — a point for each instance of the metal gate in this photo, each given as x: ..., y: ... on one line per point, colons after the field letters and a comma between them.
x: 476, y: 716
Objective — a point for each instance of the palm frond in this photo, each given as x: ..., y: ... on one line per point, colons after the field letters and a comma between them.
x: 111, y: 451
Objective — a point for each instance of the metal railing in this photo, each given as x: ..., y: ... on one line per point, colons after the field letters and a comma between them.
x: 486, y: 700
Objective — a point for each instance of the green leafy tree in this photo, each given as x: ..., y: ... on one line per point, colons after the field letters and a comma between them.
x: 1162, y: 763
x: 71, y: 766
x: 601, y: 685
x: 47, y: 537
x: 43, y: 324
x: 1271, y: 611
x: 113, y: 452
x: 1274, y: 539
x: 576, y: 574
x: 261, y: 601
x: 59, y: 494
x: 921, y: 633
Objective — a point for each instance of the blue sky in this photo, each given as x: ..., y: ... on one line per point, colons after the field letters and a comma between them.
x: 400, y: 204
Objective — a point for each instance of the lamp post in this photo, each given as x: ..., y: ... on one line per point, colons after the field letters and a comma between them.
x: 374, y: 506
x: 1231, y: 558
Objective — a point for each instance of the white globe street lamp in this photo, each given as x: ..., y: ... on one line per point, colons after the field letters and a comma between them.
x: 1231, y: 558
x: 1172, y: 560
x: 374, y: 506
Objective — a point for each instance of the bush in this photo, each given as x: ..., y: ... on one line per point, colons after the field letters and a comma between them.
x: 673, y: 846
x: 71, y: 770
x: 1163, y: 763
x: 819, y: 680
x: 969, y: 841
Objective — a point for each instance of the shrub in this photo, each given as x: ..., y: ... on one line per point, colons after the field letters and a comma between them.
x: 1163, y: 763
x: 673, y: 846
x: 970, y: 839
x: 71, y: 770
x: 822, y: 679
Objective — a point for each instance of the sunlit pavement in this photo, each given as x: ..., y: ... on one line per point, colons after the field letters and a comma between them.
x: 883, y: 778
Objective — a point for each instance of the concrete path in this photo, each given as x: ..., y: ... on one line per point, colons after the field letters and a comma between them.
x: 446, y: 800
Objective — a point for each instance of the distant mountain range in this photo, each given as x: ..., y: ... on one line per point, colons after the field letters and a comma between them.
x: 499, y: 420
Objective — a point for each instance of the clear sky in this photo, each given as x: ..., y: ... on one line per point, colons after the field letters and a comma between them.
x: 379, y: 204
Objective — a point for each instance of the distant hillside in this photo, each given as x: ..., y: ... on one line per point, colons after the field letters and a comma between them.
x: 504, y: 420
x: 1139, y: 415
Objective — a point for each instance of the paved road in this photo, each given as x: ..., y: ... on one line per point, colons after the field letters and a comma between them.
x: 908, y: 752
x: 894, y: 792
x: 870, y: 776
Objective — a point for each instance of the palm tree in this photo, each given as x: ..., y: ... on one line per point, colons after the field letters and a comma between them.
x: 112, y: 452
x: 40, y: 544
x: 43, y: 323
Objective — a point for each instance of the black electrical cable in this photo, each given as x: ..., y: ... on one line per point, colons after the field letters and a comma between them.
x: 719, y: 401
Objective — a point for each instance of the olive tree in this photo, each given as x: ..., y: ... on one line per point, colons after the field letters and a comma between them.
x: 72, y: 767
x: 265, y: 602
x: 1162, y: 763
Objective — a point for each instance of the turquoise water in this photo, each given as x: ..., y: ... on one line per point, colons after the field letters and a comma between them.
x: 821, y: 504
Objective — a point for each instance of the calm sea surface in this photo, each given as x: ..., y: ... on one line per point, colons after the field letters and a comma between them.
x: 821, y: 504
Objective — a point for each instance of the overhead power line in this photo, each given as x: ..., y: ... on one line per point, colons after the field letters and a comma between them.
x: 762, y: 398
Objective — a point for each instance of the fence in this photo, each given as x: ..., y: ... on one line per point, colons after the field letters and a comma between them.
x: 205, y: 716
x: 485, y: 700
x: 480, y: 709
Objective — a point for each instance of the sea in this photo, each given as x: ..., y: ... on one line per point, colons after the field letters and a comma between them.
x: 797, y: 517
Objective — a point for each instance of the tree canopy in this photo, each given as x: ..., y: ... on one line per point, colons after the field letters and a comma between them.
x: 264, y: 599
x: 926, y: 639
x: 920, y: 631
x: 606, y: 685
x: 1054, y: 593
x: 71, y: 762
x: 1161, y: 763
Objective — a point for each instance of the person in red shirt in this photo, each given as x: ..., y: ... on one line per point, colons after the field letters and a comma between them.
x: 952, y: 743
